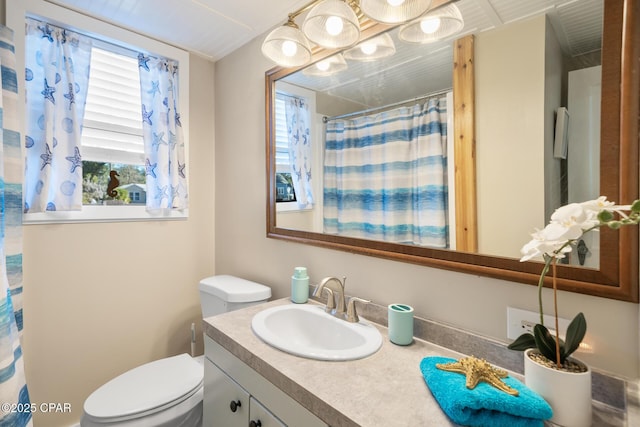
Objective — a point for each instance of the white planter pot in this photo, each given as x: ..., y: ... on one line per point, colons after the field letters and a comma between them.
x: 568, y: 393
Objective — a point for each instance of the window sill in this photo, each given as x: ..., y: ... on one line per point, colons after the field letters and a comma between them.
x: 290, y: 207
x: 101, y: 214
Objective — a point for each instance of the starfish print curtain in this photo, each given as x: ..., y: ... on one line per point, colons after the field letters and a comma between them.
x: 297, y: 116
x: 385, y: 176
x: 13, y: 387
x: 165, y: 162
x: 57, y: 76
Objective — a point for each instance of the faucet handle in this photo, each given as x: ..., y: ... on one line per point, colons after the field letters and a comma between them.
x: 352, y: 314
x: 331, y: 302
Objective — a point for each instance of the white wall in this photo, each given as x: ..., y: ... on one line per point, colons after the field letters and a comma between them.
x: 475, y: 303
x: 100, y: 299
x: 509, y: 134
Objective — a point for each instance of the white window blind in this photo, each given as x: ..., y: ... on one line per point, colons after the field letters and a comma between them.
x: 112, y: 129
x: 282, y: 139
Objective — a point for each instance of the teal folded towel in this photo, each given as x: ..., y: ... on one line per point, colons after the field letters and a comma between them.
x: 485, y: 405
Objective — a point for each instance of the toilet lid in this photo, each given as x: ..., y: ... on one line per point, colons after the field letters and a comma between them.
x: 234, y: 289
x: 146, y: 387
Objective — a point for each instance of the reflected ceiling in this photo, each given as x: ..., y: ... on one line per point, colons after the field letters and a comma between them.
x: 577, y: 24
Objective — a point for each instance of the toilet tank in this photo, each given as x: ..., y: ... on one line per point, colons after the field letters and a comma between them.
x: 223, y: 293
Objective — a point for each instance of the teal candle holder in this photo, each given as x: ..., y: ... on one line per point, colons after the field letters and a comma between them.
x: 400, y: 317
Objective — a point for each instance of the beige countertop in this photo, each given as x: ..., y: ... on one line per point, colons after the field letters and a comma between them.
x: 385, y: 389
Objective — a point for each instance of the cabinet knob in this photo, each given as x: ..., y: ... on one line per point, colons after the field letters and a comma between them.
x: 255, y: 423
x: 234, y: 405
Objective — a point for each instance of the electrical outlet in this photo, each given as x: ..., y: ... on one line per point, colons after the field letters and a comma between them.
x: 521, y: 321
x: 527, y: 326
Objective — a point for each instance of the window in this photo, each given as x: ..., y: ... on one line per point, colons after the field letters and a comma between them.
x: 282, y: 140
x: 112, y: 129
x: 286, y: 199
x: 285, y: 192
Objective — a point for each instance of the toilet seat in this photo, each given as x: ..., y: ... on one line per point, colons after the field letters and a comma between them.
x: 147, y: 390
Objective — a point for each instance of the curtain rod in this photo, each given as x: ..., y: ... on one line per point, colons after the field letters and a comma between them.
x: 326, y: 119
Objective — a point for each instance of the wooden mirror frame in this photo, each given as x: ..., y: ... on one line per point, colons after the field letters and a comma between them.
x: 617, y: 277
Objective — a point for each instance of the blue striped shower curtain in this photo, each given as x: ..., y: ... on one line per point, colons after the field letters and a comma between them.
x: 385, y: 176
x: 13, y: 387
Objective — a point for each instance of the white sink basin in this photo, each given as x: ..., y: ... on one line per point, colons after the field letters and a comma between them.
x: 307, y: 331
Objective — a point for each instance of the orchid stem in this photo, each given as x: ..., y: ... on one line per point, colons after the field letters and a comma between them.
x: 555, y: 307
x: 545, y: 270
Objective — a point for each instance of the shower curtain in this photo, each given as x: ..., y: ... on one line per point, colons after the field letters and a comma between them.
x: 13, y: 387
x: 385, y: 176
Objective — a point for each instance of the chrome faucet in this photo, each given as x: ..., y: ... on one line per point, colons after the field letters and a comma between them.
x: 337, y: 291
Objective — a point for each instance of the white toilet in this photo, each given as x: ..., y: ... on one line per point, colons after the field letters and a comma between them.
x: 168, y: 392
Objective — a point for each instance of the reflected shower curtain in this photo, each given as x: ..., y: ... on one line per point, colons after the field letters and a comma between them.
x: 385, y: 176
x: 13, y: 387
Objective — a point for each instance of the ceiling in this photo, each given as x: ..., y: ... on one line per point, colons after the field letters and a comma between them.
x: 210, y: 28
x: 215, y: 28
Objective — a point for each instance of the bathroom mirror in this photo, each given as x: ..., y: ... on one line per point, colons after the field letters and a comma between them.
x: 616, y: 272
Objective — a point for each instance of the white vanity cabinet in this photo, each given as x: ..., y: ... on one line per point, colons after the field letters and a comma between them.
x: 259, y: 416
x: 227, y: 404
x: 236, y: 395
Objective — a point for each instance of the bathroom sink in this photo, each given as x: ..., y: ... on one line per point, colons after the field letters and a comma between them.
x: 307, y: 331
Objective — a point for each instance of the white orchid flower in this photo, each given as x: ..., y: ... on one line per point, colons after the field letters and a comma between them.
x: 552, y: 240
x: 567, y: 225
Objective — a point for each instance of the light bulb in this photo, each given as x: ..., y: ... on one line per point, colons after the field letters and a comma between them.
x: 289, y: 48
x: 430, y: 26
x: 368, y: 48
x: 334, y: 25
x: 323, y: 65
x: 395, y: 3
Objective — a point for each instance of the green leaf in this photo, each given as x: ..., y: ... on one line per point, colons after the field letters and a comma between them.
x: 635, y: 207
x: 545, y: 342
x: 575, y: 333
x: 523, y: 342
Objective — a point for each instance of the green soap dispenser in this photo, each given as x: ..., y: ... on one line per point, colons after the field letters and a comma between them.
x: 300, y: 285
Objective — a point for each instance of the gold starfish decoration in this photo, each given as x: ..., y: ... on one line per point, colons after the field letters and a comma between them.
x: 477, y: 370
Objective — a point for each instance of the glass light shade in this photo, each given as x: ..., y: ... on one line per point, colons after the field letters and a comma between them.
x: 394, y: 11
x: 328, y: 66
x: 332, y: 24
x: 372, y: 49
x: 287, y: 47
x: 436, y: 25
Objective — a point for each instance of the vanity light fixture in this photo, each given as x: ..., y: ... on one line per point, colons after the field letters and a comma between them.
x: 433, y: 26
x: 394, y: 11
x: 332, y: 24
x: 287, y: 45
x: 372, y: 49
x: 335, y: 24
x: 326, y: 67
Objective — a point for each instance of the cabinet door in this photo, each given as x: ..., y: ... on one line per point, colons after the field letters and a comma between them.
x: 225, y: 403
x: 259, y: 416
